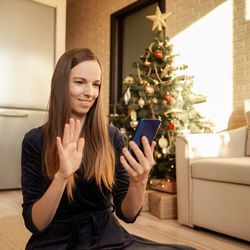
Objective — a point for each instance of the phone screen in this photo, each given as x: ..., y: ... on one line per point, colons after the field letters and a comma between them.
x: 148, y: 128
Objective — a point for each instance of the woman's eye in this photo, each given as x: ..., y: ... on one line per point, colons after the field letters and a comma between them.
x: 96, y: 84
x: 78, y: 82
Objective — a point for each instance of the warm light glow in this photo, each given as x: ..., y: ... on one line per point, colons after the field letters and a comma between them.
x: 219, y: 143
x: 162, y: 186
x: 247, y: 9
x: 207, y: 48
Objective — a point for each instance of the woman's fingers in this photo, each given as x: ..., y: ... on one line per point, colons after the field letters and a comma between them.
x: 80, y: 145
x: 147, y: 149
x: 70, y: 148
x: 138, y: 153
x: 134, y: 164
x: 77, y: 130
x: 153, y: 146
x: 71, y: 129
x: 131, y: 160
x: 138, y: 169
x: 143, y: 155
x: 59, y: 145
x: 125, y: 164
x: 66, y: 135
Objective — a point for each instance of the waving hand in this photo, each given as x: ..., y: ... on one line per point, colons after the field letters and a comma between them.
x: 70, y: 148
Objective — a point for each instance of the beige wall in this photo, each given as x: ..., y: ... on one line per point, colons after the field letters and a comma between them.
x: 88, y: 25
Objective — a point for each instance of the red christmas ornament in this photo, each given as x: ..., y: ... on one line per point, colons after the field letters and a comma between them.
x: 158, y: 54
x: 167, y: 97
x: 171, y: 126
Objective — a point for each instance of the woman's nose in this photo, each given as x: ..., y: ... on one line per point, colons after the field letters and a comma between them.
x: 88, y: 90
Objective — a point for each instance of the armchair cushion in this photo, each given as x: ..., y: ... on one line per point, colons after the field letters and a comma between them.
x: 222, y: 169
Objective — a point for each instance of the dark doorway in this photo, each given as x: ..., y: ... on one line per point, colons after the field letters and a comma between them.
x: 130, y: 35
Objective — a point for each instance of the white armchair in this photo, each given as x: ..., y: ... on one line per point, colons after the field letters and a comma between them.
x: 213, y: 182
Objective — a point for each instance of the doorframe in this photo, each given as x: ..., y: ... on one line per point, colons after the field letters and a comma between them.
x: 116, y: 46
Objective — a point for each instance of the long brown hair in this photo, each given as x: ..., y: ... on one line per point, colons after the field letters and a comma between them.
x: 98, y: 155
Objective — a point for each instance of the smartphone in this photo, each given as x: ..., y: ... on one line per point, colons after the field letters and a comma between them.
x: 148, y: 128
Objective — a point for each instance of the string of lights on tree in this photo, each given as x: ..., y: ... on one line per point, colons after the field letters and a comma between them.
x: 160, y: 89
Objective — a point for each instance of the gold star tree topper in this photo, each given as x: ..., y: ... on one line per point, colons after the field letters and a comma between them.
x: 159, y: 19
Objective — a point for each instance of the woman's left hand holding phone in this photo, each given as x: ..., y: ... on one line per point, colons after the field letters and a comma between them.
x: 70, y: 149
x: 139, y: 170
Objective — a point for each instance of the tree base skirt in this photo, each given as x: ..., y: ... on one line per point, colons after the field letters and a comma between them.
x: 162, y: 185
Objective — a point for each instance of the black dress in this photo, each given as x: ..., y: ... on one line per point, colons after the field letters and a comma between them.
x: 88, y: 222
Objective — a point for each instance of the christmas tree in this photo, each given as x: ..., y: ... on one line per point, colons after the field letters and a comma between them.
x: 161, y: 90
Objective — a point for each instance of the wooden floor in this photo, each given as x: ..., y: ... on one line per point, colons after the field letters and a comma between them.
x: 148, y: 226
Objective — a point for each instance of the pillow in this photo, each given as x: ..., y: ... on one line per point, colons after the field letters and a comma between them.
x: 247, y: 115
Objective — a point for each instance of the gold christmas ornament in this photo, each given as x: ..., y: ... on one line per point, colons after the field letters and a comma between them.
x: 155, y: 100
x: 143, y: 82
x: 141, y: 102
x: 163, y: 142
x: 114, y: 115
x: 146, y: 63
x: 156, y: 82
x: 164, y: 151
x: 133, y: 124
x: 158, y: 19
x: 128, y: 80
x: 158, y: 155
x: 149, y: 89
x: 133, y: 115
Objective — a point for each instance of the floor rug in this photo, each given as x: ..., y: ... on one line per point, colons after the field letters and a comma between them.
x: 13, y: 234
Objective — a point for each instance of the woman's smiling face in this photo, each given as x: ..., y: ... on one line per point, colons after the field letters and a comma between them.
x: 84, y: 87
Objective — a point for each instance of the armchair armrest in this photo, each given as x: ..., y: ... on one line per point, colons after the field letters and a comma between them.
x: 190, y: 147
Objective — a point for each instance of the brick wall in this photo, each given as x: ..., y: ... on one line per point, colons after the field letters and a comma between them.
x: 88, y: 25
x: 241, y: 53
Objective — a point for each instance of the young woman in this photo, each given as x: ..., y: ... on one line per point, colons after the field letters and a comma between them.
x: 76, y: 171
